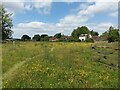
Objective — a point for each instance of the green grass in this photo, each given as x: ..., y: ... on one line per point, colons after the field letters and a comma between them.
x: 55, y: 65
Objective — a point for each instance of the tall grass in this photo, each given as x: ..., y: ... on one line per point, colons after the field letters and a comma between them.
x: 55, y: 65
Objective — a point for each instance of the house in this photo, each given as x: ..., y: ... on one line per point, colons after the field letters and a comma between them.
x: 83, y: 37
x: 64, y: 38
x: 53, y: 39
x: 96, y: 38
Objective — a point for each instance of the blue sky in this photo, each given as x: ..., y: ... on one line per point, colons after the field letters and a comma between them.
x: 53, y: 17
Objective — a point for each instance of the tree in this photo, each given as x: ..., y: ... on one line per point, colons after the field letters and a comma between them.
x: 93, y: 33
x: 58, y: 35
x: 84, y: 30
x: 104, y: 36
x: 80, y: 30
x: 5, y: 23
x: 36, y: 37
x: 75, y: 34
x: 44, y: 37
x: 25, y: 38
x: 113, y: 34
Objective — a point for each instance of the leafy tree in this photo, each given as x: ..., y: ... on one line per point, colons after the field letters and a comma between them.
x: 44, y: 37
x: 104, y: 36
x: 113, y: 34
x: 25, y: 38
x: 111, y: 39
x: 84, y: 30
x: 93, y: 33
x: 80, y: 30
x: 5, y: 23
x: 36, y: 37
x: 58, y: 35
x: 75, y: 33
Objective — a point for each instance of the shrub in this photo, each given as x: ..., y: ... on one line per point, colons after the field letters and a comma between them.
x: 89, y: 40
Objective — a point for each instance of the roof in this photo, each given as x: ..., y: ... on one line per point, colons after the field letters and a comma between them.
x: 96, y: 38
x: 53, y: 38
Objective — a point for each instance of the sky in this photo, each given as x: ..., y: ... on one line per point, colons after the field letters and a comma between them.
x: 50, y: 17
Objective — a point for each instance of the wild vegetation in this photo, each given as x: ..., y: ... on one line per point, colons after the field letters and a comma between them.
x: 57, y: 65
x: 43, y: 64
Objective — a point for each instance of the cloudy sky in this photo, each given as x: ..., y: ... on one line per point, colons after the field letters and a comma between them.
x: 49, y: 16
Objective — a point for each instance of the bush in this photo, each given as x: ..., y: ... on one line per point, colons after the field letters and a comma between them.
x: 89, y: 40
x: 110, y: 39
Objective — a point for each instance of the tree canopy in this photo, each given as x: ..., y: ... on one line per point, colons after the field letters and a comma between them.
x: 58, y: 35
x: 25, y: 38
x: 111, y: 35
x: 104, y: 36
x: 93, y: 33
x: 36, y: 37
x: 80, y: 30
x: 44, y: 37
x: 5, y: 23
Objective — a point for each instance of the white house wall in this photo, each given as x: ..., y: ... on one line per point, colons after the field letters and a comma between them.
x: 82, y: 38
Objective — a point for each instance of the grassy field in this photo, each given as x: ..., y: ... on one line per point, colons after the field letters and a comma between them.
x: 59, y: 65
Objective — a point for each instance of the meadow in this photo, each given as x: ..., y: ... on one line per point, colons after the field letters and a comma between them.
x: 59, y: 65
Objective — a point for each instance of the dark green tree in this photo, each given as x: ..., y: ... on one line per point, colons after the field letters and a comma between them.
x: 93, y: 33
x: 75, y: 34
x: 25, y: 38
x: 44, y: 37
x: 58, y: 35
x: 84, y: 30
x: 113, y: 34
x: 5, y: 23
x: 36, y: 37
x: 80, y: 30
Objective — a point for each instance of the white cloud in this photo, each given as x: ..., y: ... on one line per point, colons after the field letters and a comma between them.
x: 25, y: 0
x: 101, y: 27
x: 32, y: 27
x: 43, y: 8
x: 114, y: 14
x: 35, y: 27
x: 103, y: 0
x: 70, y: 1
x: 21, y: 6
x: 104, y: 25
x: 66, y: 24
x: 14, y: 7
x: 99, y: 7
